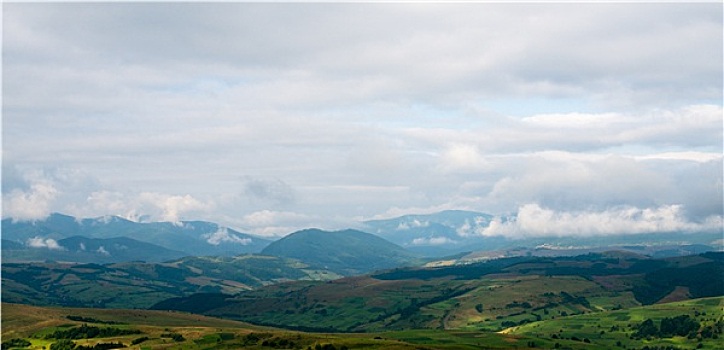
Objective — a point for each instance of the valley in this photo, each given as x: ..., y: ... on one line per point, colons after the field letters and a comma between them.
x: 489, y: 296
x: 349, y: 289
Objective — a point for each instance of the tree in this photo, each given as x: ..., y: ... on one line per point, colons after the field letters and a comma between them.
x: 647, y: 328
x: 479, y: 308
x: 63, y: 344
x: 680, y: 325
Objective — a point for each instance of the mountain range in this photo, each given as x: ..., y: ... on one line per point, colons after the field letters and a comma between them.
x: 379, y: 244
x: 172, y: 240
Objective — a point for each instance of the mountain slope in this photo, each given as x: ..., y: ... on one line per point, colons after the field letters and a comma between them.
x: 345, y: 252
x: 189, y: 237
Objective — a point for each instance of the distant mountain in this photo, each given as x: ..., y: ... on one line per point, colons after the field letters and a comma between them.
x: 88, y: 250
x: 189, y: 237
x: 455, y: 231
x: 345, y: 252
x: 444, y: 233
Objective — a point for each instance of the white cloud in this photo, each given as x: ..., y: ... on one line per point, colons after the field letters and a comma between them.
x: 408, y: 224
x: 432, y: 241
x: 463, y: 158
x: 471, y: 228
x: 101, y: 250
x: 222, y: 235
x: 535, y: 221
x: 174, y: 206
x: 152, y: 205
x: 276, y: 223
x: 39, y: 242
x: 701, y: 157
x: 33, y: 204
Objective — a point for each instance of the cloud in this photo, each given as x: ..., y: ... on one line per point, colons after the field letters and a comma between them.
x: 432, y: 241
x: 463, y: 158
x: 39, y: 242
x: 33, y: 197
x: 342, y: 111
x: 275, y: 191
x: 34, y: 204
x: 272, y: 223
x: 173, y: 206
x: 152, y: 205
x: 532, y: 220
x: 222, y: 235
x: 406, y: 225
x: 471, y: 228
x: 101, y: 250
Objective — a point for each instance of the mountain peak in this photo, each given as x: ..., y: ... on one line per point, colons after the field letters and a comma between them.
x: 346, y: 252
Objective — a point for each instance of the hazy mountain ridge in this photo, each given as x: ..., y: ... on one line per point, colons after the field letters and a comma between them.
x: 88, y: 250
x: 457, y: 231
x: 443, y: 233
x: 447, y: 233
x: 188, y: 237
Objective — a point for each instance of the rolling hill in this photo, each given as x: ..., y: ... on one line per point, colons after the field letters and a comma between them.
x: 487, y: 296
x: 140, y: 285
x: 173, y: 330
x: 618, y: 328
x: 40, y: 326
x: 347, y: 252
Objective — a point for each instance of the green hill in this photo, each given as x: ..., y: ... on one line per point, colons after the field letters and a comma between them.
x: 621, y: 329
x: 140, y: 285
x: 173, y: 330
x: 347, y: 252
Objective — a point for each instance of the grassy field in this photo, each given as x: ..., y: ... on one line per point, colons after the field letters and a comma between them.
x: 201, y: 332
x: 613, y: 329
x: 601, y: 330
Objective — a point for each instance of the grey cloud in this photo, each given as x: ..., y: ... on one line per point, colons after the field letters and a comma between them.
x: 478, y: 50
x: 275, y: 191
x: 361, y: 109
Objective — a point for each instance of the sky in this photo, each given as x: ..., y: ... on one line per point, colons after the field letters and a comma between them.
x: 579, y: 118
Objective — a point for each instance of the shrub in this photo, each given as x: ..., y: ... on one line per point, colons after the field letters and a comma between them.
x: 15, y: 343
